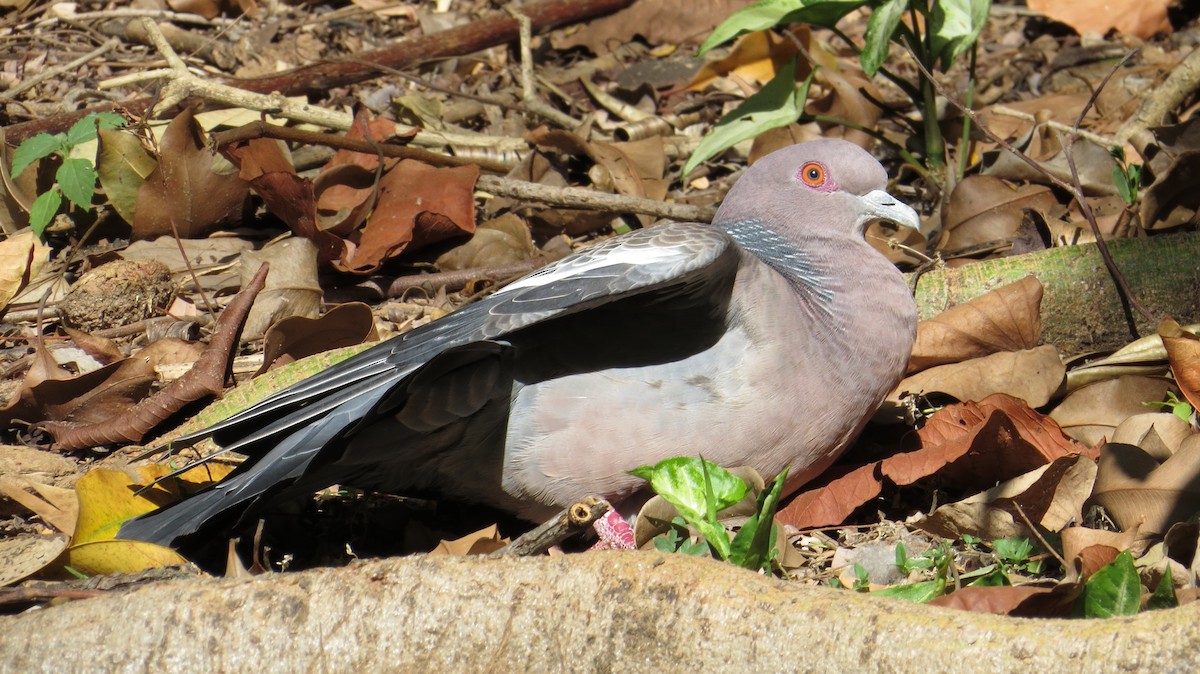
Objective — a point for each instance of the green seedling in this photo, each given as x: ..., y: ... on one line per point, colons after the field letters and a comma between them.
x: 75, y: 178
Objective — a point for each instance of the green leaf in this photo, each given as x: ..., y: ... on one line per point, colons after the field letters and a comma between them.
x: 77, y: 178
x: 752, y: 547
x: 1014, y: 549
x: 880, y: 28
x: 34, y: 148
x: 710, y: 528
x: 43, y: 210
x: 82, y: 131
x: 989, y: 576
x: 1114, y: 590
x: 920, y: 593
x: 1183, y: 411
x: 1164, y: 594
x: 681, y: 481
x: 768, y: 13
x: 954, y: 27
x: 902, y: 561
x: 777, y: 104
x: 110, y: 120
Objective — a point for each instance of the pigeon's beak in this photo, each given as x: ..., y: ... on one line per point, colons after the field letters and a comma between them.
x: 880, y: 205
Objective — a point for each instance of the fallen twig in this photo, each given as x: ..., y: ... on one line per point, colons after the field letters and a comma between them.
x: 559, y: 528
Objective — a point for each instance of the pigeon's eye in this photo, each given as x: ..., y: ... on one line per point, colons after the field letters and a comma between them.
x: 813, y: 174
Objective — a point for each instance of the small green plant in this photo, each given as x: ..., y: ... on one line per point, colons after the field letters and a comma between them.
x: 937, y: 33
x: 1127, y: 176
x: 75, y: 178
x: 699, y: 489
x: 676, y: 539
x: 862, y: 579
x: 937, y: 560
x: 1010, y: 556
x: 1180, y: 408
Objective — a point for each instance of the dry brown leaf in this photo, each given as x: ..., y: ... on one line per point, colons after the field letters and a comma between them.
x: 1183, y: 352
x: 23, y: 555
x: 1141, y: 18
x: 184, y: 196
x: 1159, y: 434
x: 1005, y: 319
x: 291, y: 198
x: 294, y: 338
x: 755, y: 58
x: 1050, y: 496
x: 49, y: 393
x: 1134, y: 488
x: 1087, y: 550
x: 967, y: 445
x: 292, y: 287
x: 418, y: 205
x: 479, y: 542
x: 984, y: 209
x: 104, y: 350
x: 1003, y: 600
x: 497, y: 242
x: 1092, y: 161
x: 976, y: 444
x: 1033, y: 376
x: 56, y: 506
x: 831, y: 500
x: 1091, y: 413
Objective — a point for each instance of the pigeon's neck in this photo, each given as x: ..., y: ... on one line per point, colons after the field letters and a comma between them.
x: 808, y: 269
x: 832, y: 274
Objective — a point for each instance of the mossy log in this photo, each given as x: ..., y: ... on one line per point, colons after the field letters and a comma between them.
x: 1082, y: 310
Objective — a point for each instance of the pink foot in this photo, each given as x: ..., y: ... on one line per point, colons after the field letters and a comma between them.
x: 614, y: 532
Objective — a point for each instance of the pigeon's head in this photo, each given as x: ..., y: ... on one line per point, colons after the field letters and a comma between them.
x: 821, y: 184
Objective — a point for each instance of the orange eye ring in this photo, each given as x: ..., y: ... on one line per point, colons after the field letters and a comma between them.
x: 813, y: 174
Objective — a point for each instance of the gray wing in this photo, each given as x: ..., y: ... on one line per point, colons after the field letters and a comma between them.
x: 283, y: 433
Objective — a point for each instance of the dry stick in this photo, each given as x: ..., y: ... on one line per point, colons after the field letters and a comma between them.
x: 490, y: 30
x: 1075, y: 190
x: 1057, y: 126
x: 566, y: 524
x: 566, y: 197
x: 1181, y: 83
x: 259, y: 129
x: 528, y: 89
x: 1037, y: 534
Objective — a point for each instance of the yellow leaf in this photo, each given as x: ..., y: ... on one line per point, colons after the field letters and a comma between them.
x: 755, y: 57
x: 21, y: 259
x: 106, y: 557
x: 108, y: 498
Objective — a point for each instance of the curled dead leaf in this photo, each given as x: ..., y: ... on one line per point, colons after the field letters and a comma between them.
x: 1183, y: 352
x: 1091, y: 413
x: 1005, y: 319
x: 1136, y: 489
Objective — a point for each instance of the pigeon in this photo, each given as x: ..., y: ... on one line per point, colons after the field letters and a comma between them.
x: 766, y: 339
